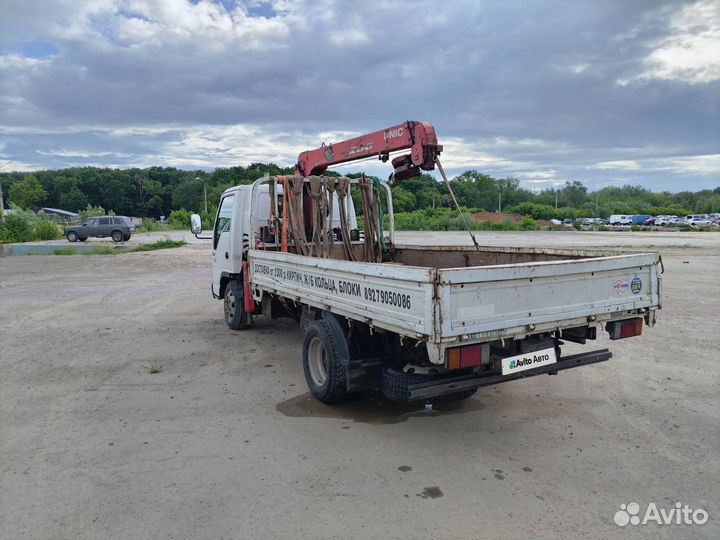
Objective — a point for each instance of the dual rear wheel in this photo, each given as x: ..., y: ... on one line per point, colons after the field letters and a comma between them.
x: 326, y: 371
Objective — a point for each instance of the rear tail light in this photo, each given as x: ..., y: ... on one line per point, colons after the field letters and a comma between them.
x: 468, y: 356
x: 624, y: 329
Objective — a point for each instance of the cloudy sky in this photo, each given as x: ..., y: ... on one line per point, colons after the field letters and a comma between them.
x: 606, y: 92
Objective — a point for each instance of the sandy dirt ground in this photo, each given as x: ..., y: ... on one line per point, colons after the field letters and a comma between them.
x: 225, y: 441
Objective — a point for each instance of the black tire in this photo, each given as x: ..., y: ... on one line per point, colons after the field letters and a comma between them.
x: 72, y: 236
x: 83, y: 238
x: 234, y: 306
x: 117, y: 236
x: 128, y: 237
x: 396, y: 383
x: 331, y: 385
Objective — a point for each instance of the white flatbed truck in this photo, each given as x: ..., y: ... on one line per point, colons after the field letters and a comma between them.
x: 428, y: 323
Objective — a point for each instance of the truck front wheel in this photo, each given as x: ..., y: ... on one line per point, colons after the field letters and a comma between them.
x: 235, y: 316
x: 324, y: 371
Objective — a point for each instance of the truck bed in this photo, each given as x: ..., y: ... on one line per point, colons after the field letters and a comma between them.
x: 446, y: 295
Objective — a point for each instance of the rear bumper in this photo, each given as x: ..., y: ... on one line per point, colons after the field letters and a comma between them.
x: 466, y: 382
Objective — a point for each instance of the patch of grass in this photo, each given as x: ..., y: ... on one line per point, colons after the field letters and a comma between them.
x: 65, y: 251
x: 150, y: 225
x: 111, y: 250
x: 160, y: 244
x: 155, y: 367
x: 100, y: 250
x: 47, y: 230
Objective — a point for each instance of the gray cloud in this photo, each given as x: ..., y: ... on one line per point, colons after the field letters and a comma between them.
x: 593, y: 91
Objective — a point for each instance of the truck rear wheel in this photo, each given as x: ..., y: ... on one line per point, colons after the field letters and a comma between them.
x: 396, y: 386
x: 235, y: 315
x: 325, y: 373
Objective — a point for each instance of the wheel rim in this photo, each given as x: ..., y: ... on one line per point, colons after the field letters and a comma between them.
x: 72, y: 237
x: 317, y: 361
x: 229, y: 305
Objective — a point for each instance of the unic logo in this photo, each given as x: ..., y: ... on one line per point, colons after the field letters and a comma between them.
x: 393, y: 133
x: 678, y: 515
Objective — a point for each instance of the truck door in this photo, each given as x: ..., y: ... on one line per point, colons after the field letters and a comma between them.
x: 222, y: 253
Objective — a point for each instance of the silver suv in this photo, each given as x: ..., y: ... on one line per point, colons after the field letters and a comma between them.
x: 119, y: 228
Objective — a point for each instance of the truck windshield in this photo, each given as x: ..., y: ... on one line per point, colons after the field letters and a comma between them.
x: 224, y: 218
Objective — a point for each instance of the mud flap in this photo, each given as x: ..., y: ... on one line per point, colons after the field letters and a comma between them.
x: 249, y: 302
x: 363, y: 367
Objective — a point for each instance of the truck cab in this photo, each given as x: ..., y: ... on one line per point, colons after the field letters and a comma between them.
x: 240, y: 226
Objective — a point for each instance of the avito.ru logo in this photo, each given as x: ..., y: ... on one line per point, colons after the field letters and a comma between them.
x: 527, y: 361
x: 679, y: 515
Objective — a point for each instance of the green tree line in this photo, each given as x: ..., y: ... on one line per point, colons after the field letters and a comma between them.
x: 157, y: 191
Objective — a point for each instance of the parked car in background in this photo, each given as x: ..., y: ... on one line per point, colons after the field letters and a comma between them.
x: 119, y: 228
x: 620, y: 219
x: 666, y: 219
x: 590, y: 222
x: 698, y: 220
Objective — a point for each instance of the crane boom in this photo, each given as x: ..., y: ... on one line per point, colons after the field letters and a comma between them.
x: 419, y: 137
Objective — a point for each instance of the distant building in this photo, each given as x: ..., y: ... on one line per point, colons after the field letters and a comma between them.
x: 59, y: 215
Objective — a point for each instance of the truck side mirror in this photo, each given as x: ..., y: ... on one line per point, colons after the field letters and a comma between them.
x: 195, y: 224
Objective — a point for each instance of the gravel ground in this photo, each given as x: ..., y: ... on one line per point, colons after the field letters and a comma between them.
x: 224, y: 442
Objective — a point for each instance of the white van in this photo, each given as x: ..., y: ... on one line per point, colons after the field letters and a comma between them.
x: 697, y: 220
x: 620, y: 219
